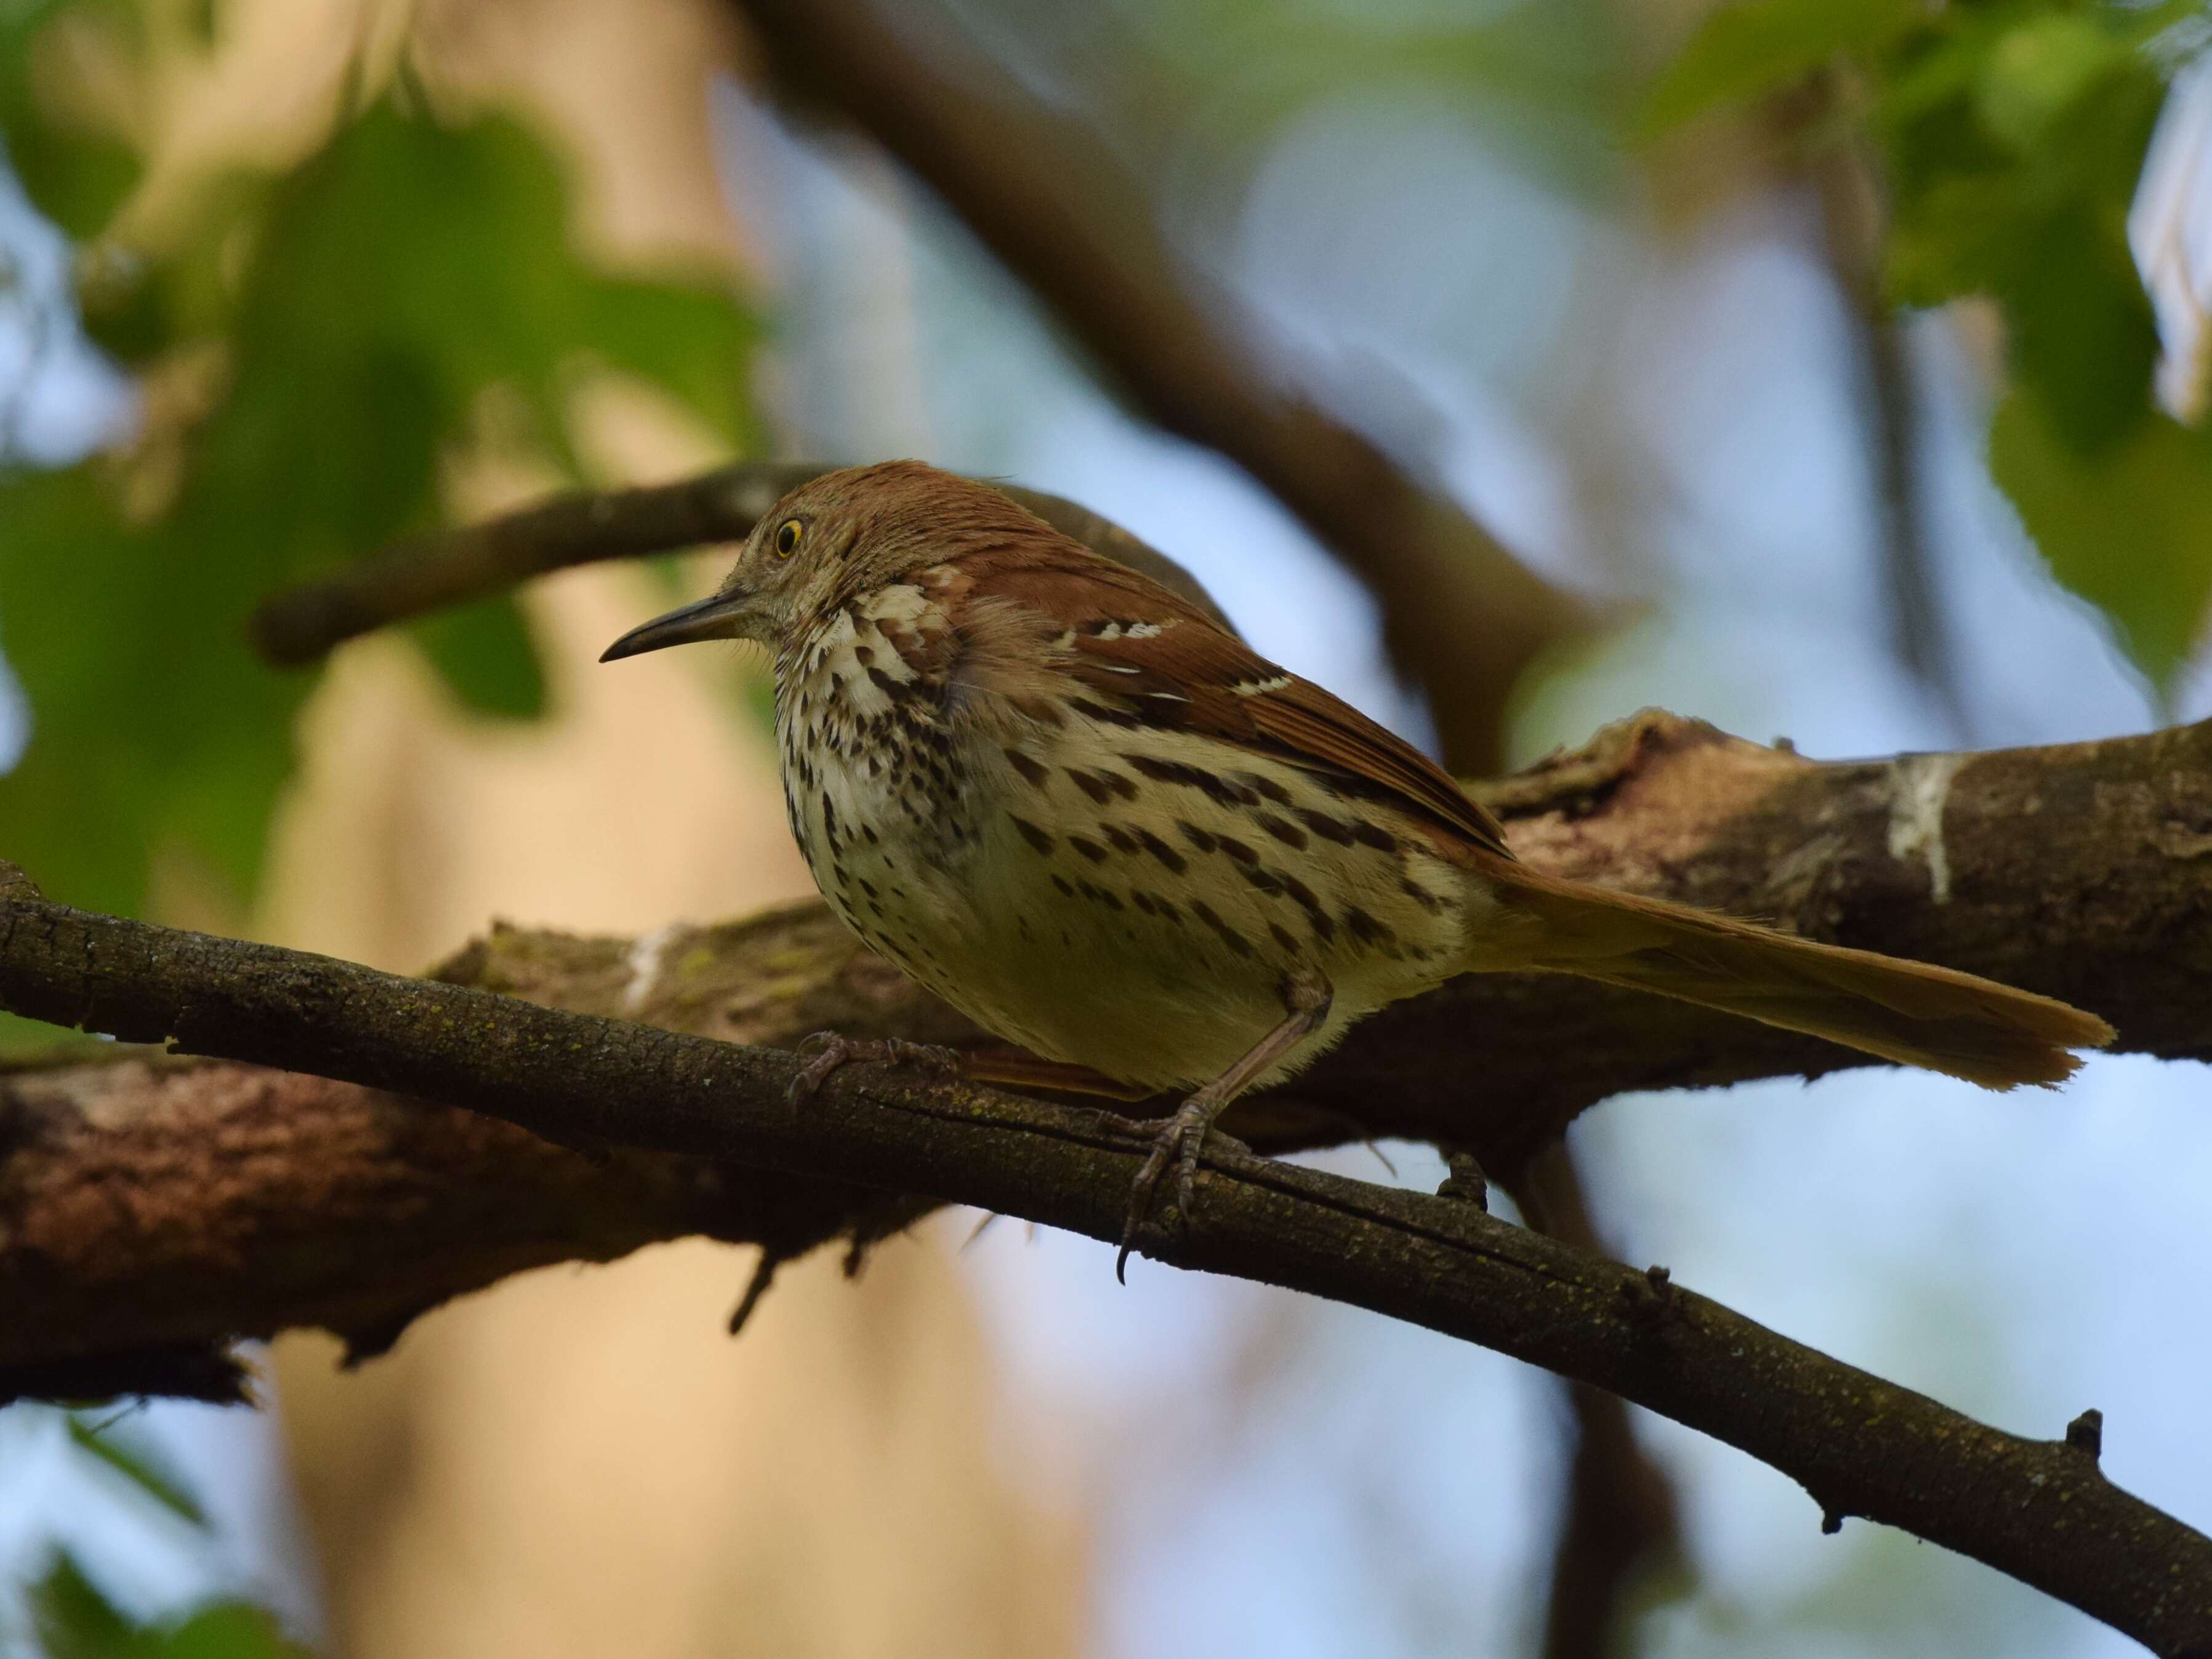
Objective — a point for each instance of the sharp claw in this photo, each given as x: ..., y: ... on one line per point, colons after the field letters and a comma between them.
x: 1179, y: 1141
x: 812, y: 1076
x: 1140, y: 1194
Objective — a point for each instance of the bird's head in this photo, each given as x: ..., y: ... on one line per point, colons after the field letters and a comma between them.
x: 832, y: 538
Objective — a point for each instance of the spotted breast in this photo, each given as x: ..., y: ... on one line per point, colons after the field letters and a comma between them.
x: 993, y: 799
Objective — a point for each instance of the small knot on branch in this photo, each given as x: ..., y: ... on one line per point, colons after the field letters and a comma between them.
x: 1832, y: 1521
x: 2086, y: 1433
x: 16, y: 886
x: 1651, y: 1298
x: 1466, y: 1184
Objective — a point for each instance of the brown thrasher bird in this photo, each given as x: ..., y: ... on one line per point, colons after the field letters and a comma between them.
x: 1093, y: 821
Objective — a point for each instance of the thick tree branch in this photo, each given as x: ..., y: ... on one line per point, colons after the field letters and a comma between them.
x: 254, y: 1202
x: 154, y: 1209
x: 434, y: 572
x: 1044, y: 194
x: 2040, y: 1510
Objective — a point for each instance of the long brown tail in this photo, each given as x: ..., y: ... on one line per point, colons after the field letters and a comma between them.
x: 1907, y: 1012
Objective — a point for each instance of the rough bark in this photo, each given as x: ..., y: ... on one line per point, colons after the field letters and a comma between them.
x: 153, y: 1209
x: 2040, y: 1510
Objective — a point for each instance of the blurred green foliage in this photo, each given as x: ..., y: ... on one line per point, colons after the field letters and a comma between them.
x: 78, y: 177
x: 2011, y: 134
x: 1540, y: 81
x: 1750, y: 48
x: 1214, y: 84
x: 347, y: 318
x: 74, y: 1620
x: 68, y: 1615
x: 101, y: 1443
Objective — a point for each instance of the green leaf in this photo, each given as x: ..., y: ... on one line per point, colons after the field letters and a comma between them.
x: 149, y: 726
x: 1540, y: 83
x: 427, y: 265
x: 75, y: 179
x: 2042, y: 229
x: 137, y: 307
x: 26, y: 1041
x: 484, y: 653
x: 2040, y: 70
x: 229, y: 1630
x: 2128, y: 529
x: 363, y: 306
x: 690, y: 342
x: 1753, y: 47
x: 74, y: 1620
x: 2082, y: 330
x: 154, y: 1481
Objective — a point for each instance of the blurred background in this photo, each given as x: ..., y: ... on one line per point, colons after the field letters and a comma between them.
x: 1505, y: 366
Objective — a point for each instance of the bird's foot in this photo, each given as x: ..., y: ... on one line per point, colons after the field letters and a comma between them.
x: 1178, y: 1141
x: 830, y: 1051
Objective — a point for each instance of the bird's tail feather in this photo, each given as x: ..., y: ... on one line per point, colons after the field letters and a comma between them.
x: 1911, y: 1012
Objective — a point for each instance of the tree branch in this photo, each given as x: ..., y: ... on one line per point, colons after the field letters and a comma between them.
x: 154, y: 1209
x: 1846, y: 178
x: 2040, y: 1510
x: 429, y: 573
x: 1045, y: 196
x: 254, y: 1202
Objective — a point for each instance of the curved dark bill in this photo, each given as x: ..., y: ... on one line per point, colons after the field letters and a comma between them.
x: 709, y: 619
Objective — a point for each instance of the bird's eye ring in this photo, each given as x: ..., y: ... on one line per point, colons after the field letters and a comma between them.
x: 788, y: 536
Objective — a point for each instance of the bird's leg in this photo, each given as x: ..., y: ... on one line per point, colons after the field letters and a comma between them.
x: 1306, y: 999
x: 831, y: 1050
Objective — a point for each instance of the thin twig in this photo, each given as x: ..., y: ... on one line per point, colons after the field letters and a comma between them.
x: 1847, y: 188
x: 429, y: 573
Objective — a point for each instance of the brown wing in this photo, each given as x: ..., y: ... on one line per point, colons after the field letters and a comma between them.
x: 1152, y: 660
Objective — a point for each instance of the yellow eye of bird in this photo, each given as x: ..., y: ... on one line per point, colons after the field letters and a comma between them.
x: 787, y: 537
